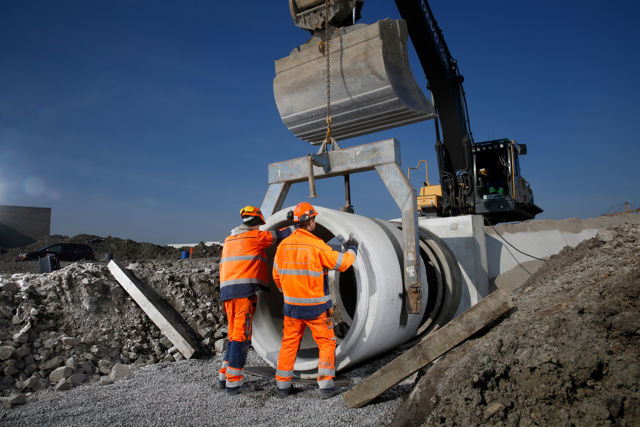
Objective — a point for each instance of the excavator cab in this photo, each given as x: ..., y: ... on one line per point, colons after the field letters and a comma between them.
x: 501, y: 193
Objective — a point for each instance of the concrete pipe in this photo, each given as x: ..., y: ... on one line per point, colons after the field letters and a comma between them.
x: 369, y: 317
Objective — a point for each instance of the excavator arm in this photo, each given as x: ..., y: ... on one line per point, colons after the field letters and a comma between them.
x: 365, y: 85
x: 445, y: 83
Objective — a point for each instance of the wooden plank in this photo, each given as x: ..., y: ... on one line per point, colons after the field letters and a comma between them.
x: 171, y: 324
x: 430, y: 348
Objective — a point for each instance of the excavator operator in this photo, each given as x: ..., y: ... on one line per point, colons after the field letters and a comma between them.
x: 243, y: 270
x: 300, y: 272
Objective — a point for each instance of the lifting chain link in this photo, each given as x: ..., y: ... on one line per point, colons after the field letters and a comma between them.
x: 328, y: 139
x: 327, y: 53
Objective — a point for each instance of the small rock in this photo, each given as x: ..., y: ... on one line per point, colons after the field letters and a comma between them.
x: 22, y: 351
x: 86, y: 367
x: 70, y: 341
x: 13, y: 400
x: 119, y: 370
x: 11, y: 371
x: 219, y: 345
x: 62, y: 385
x: 76, y: 379
x: 221, y: 332
x: 6, y: 352
x: 172, y: 350
x: 10, y: 287
x: 41, y: 385
x: 71, y: 363
x: 62, y: 372
x: 105, y: 380
x: 492, y: 409
x: 51, y: 363
x: 6, y: 311
x: 606, y: 235
x: 31, y: 382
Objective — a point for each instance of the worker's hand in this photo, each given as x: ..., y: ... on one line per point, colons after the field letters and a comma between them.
x: 352, y: 244
x: 330, y: 312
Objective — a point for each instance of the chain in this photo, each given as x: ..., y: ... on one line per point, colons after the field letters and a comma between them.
x: 327, y: 54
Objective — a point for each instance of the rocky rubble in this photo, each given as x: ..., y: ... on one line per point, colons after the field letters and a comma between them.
x: 568, y: 355
x: 77, y: 324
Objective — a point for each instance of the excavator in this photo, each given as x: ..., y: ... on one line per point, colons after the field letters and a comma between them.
x: 354, y: 79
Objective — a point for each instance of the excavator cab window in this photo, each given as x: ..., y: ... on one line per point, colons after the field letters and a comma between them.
x: 493, y: 169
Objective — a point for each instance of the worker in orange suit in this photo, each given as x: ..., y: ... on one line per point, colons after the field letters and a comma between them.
x: 300, y: 272
x: 243, y: 271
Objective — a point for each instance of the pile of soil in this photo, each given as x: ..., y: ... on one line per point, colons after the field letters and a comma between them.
x: 119, y: 249
x: 568, y: 355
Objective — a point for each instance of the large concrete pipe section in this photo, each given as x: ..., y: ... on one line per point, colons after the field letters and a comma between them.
x: 370, y: 316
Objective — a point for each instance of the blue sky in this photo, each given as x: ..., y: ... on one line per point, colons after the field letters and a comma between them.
x: 155, y: 120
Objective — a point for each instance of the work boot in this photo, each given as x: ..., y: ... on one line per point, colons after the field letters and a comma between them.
x: 329, y: 392
x: 284, y: 392
x: 244, y: 388
x: 222, y: 384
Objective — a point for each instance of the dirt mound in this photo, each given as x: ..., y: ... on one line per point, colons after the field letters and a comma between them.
x: 80, y: 318
x: 119, y: 249
x: 567, y: 355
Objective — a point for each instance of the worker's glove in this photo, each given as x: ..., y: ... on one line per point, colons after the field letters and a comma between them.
x: 352, y: 244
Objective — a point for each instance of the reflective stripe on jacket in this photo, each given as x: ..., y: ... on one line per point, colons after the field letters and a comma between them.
x: 300, y: 272
x: 243, y: 266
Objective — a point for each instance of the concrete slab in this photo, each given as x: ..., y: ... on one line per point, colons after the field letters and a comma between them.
x: 159, y: 311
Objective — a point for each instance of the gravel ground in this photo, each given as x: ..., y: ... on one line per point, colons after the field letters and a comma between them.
x: 186, y: 393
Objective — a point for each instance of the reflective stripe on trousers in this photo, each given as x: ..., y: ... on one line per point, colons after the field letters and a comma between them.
x: 322, y: 331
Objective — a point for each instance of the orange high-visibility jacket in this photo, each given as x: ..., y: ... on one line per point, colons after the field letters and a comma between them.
x: 243, y: 266
x: 300, y: 272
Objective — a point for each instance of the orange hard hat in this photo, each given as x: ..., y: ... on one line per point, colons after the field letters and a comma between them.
x: 248, y: 213
x: 303, y: 212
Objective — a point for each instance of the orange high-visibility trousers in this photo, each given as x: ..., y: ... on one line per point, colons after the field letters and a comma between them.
x: 322, y: 331
x: 239, y: 313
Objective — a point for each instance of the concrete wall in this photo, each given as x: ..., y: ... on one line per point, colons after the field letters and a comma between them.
x: 541, y: 239
x: 465, y: 236
x: 487, y: 256
x: 21, y: 225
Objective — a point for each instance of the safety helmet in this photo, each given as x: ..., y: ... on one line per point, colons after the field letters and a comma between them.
x: 251, y: 215
x: 303, y: 212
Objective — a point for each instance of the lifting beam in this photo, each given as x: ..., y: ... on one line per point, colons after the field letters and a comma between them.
x: 382, y: 156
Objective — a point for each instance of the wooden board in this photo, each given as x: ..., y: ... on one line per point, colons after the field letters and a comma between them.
x: 159, y: 311
x: 269, y: 372
x: 430, y: 348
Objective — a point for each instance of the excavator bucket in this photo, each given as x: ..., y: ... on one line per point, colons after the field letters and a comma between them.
x: 372, y: 86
